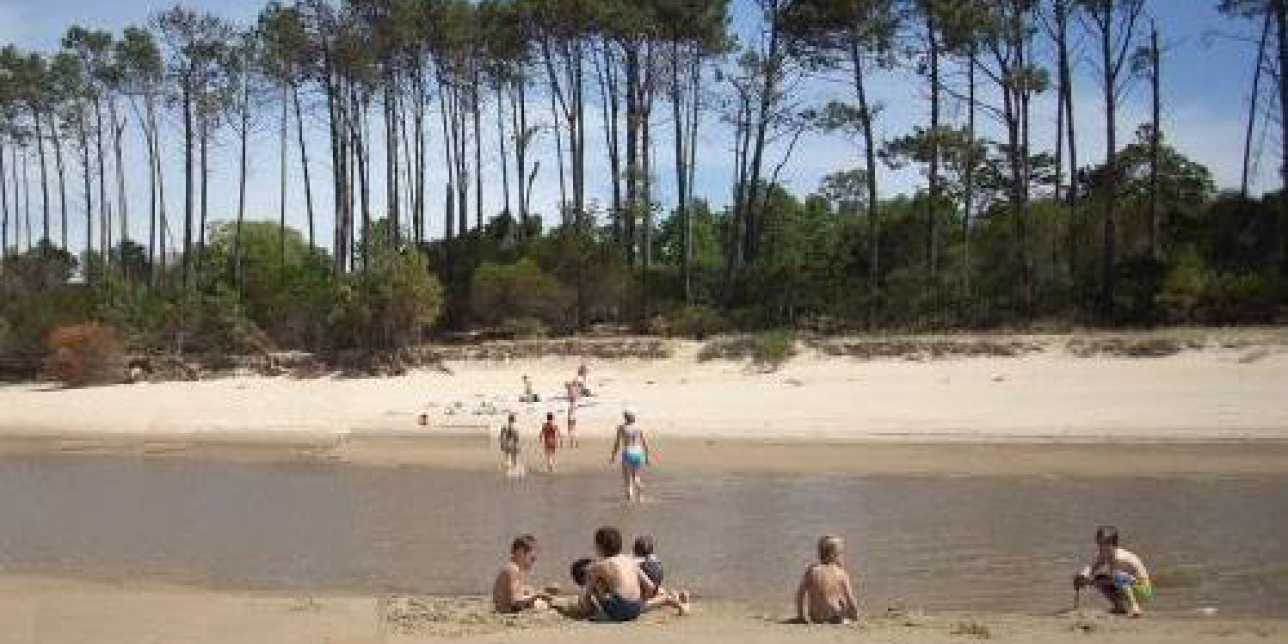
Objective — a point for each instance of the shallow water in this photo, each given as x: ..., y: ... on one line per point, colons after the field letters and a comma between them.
x: 939, y: 543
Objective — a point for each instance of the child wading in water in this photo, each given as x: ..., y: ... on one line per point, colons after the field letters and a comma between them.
x: 825, y: 594
x: 508, y: 440
x: 1117, y: 573
x: 551, y: 440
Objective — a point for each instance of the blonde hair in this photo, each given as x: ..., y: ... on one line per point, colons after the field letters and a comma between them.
x: 829, y: 548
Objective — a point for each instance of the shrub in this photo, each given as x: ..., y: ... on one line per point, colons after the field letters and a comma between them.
x: 503, y: 291
x: 85, y: 354
x: 771, y: 349
x: 525, y: 328
x: 767, y: 350
x: 696, y: 321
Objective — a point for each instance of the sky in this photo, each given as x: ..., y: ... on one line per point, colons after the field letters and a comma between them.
x: 1208, y: 65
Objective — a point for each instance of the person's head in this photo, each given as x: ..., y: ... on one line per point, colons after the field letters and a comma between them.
x: 628, y: 415
x: 643, y: 546
x: 830, y: 549
x: 523, y: 551
x: 608, y: 541
x: 579, y: 570
x: 550, y: 417
x: 510, y: 419
x: 1107, y: 539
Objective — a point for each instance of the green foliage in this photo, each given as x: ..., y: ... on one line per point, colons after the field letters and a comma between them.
x: 501, y: 292
x: 388, y: 305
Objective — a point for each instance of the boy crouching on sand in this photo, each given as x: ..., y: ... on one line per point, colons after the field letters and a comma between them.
x: 826, y: 595
x: 1117, y: 573
x: 511, y: 592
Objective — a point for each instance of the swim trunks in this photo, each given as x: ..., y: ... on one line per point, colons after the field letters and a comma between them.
x: 1139, y: 588
x: 633, y: 456
x: 619, y: 609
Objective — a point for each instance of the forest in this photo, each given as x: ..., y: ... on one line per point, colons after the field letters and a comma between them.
x: 1004, y: 230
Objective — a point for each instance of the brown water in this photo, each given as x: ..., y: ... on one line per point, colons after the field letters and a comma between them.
x: 940, y: 543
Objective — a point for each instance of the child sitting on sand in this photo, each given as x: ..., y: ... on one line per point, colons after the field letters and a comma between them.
x: 1117, y: 573
x: 825, y: 594
x: 511, y: 592
x: 651, y: 566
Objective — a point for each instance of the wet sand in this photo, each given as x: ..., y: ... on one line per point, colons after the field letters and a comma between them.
x: 475, y: 450
x: 51, y: 611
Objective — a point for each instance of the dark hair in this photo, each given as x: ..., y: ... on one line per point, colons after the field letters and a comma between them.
x: 1107, y: 534
x: 579, y: 570
x: 523, y: 543
x: 550, y: 415
x: 609, y: 541
x: 643, y: 546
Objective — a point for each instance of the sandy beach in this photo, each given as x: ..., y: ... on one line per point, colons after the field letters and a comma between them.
x: 53, y: 611
x: 1229, y: 390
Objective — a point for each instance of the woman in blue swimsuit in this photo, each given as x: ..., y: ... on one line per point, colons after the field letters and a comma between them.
x: 635, y: 455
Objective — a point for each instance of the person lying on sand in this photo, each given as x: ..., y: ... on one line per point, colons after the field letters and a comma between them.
x: 529, y: 396
x: 825, y: 594
x: 1117, y: 573
x: 511, y: 592
x: 615, y: 587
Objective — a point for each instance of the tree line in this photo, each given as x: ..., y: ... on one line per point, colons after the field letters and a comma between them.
x: 1002, y: 228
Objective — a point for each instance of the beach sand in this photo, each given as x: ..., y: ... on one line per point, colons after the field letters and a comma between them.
x: 49, y: 611
x: 1053, y: 394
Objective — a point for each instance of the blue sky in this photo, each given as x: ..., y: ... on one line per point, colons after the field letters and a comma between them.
x: 1206, y: 85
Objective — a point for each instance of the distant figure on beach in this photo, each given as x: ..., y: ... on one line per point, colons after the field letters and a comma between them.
x: 634, y: 448
x: 572, y: 425
x: 826, y: 594
x: 582, y: 381
x: 511, y: 592
x: 550, y: 440
x: 1117, y: 573
x: 529, y: 396
x: 651, y: 566
x: 614, y: 587
x: 508, y: 440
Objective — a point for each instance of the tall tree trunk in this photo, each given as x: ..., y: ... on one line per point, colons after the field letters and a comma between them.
x: 773, y: 64
x: 282, y: 129
x: 1254, y: 99
x: 204, y: 127
x: 243, y: 132
x: 1155, y: 143
x: 105, y: 212
x: 44, y: 181
x: 476, y: 108
x: 304, y: 163
x: 57, y: 141
x: 1281, y: 19
x: 118, y: 129
x: 968, y: 209
x: 681, y: 176
x: 1109, y: 198
x: 610, y: 104
x: 505, y: 157
x: 188, y: 185
x: 932, y: 207
x: 632, y: 150
x: 870, y: 160
x: 4, y: 210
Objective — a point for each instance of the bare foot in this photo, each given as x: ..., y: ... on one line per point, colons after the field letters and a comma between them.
x: 683, y: 599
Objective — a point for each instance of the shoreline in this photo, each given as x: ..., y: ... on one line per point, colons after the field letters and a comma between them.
x: 854, y: 456
x: 55, y: 610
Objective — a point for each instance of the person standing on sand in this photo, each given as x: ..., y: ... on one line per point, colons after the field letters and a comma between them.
x: 550, y: 440
x: 1117, y: 573
x: 825, y: 594
x: 511, y: 592
x: 635, y: 452
x: 508, y: 440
